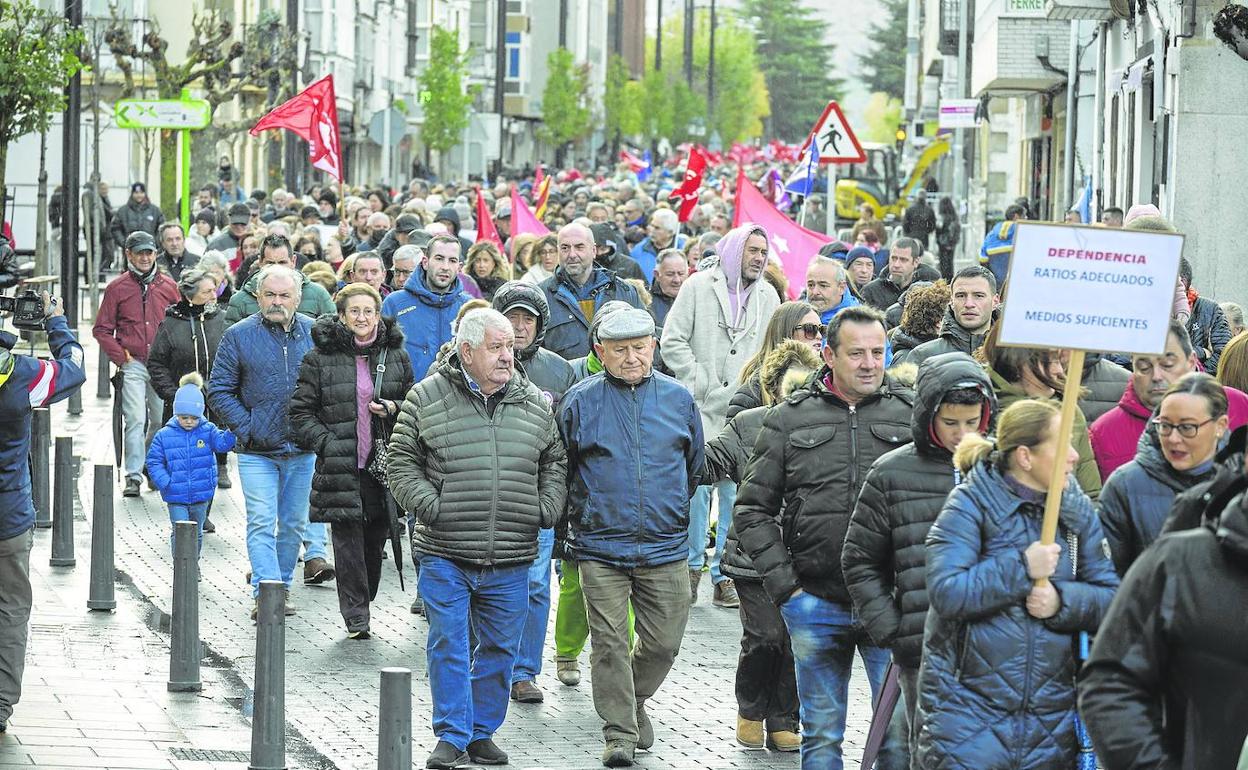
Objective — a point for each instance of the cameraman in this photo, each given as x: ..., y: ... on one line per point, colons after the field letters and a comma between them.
x: 25, y: 383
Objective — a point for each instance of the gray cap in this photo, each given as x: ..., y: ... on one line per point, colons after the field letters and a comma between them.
x: 140, y: 241
x: 626, y: 325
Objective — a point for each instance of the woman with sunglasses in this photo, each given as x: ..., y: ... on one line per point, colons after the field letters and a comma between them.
x: 791, y: 321
x: 1177, y: 452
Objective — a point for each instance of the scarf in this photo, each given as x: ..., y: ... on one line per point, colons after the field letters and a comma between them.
x: 1192, y: 296
x: 145, y: 279
x: 363, y: 396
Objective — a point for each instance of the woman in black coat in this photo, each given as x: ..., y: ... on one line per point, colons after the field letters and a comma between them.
x: 187, y: 342
x: 337, y: 413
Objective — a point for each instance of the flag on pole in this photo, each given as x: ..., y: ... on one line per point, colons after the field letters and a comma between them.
x: 779, y: 193
x: 639, y: 166
x: 802, y: 180
x: 1084, y: 204
x: 486, y: 231
x: 523, y: 222
x: 312, y: 115
x: 793, y: 244
x: 543, y: 195
x: 687, y: 193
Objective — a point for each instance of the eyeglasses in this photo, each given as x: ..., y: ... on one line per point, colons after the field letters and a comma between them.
x: 810, y: 331
x: 1185, y: 429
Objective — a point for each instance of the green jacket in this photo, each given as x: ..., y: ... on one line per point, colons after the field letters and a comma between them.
x: 1086, y: 471
x: 314, y: 303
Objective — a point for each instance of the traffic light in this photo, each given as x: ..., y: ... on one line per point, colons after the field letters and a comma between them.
x: 901, y: 138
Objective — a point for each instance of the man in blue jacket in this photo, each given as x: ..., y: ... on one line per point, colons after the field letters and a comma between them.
x: 253, y: 378
x: 576, y: 291
x: 635, y: 449
x: 25, y: 383
x: 429, y: 302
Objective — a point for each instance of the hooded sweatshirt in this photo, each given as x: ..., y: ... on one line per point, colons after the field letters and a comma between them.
x: 731, y: 251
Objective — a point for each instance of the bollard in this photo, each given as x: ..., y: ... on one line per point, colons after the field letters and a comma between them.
x: 75, y: 402
x: 268, y: 721
x: 394, y: 741
x: 184, y: 632
x: 63, y: 505
x: 100, y: 595
x: 103, y: 379
x: 41, y: 465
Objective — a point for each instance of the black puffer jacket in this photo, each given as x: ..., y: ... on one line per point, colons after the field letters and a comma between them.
x: 884, y: 558
x: 479, y: 485
x: 185, y: 342
x: 726, y: 457
x: 813, y: 455
x: 1166, y: 685
x: 1104, y: 382
x: 748, y: 396
x: 952, y: 339
x: 324, y: 415
x: 1201, y: 505
x: 550, y: 372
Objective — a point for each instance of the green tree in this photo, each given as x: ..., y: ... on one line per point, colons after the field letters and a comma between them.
x: 884, y: 66
x: 797, y: 60
x: 621, y: 104
x: 882, y: 116
x: 218, y: 62
x: 566, y: 115
x: 447, y: 102
x: 38, y: 56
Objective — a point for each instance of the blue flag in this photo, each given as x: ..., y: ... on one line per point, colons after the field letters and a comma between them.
x: 1084, y: 204
x: 644, y: 173
x: 802, y: 180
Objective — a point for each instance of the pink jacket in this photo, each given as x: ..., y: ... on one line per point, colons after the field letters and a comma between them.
x: 1116, y: 433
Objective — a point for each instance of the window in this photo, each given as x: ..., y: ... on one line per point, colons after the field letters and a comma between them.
x: 513, y: 55
x: 312, y: 17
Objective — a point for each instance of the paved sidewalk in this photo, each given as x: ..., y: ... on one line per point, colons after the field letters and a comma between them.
x: 332, y: 682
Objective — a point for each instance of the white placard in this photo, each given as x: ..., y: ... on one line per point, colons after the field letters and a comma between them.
x: 1090, y: 288
x: 959, y: 113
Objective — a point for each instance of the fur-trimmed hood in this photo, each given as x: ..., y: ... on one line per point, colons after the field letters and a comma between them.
x: 330, y: 336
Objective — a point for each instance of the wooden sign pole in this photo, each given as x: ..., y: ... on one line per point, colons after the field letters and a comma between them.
x: 1070, y: 402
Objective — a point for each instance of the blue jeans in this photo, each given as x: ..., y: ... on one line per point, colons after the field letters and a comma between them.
x: 470, y: 692
x: 700, y: 522
x: 195, y: 512
x: 315, y: 534
x: 276, y: 491
x: 824, y: 635
x: 529, y: 659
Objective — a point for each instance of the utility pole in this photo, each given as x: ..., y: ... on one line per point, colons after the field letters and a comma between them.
x: 689, y: 43
x: 710, y: 68
x: 292, y: 164
x: 910, y: 101
x: 658, y: 37
x: 69, y: 191
x: 500, y: 76
x: 960, y: 188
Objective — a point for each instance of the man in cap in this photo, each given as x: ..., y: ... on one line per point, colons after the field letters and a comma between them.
x: 608, y: 257
x: 237, y: 223
x: 502, y: 219
x: 628, y: 527
x: 131, y: 311
x: 524, y: 306
x: 327, y: 207
x: 138, y: 215
x: 400, y: 235
x: 860, y: 269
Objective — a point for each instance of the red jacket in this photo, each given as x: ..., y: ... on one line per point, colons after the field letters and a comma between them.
x: 1116, y: 434
x: 129, y: 317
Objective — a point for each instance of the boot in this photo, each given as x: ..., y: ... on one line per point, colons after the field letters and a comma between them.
x: 317, y: 571
x: 784, y: 740
x: 568, y: 670
x: 749, y: 733
x: 695, y: 576
x: 726, y: 594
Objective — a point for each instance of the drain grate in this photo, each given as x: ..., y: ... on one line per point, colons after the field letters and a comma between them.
x: 209, y: 755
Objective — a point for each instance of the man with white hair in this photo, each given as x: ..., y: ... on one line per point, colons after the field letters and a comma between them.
x: 253, y: 378
x: 664, y: 232
x: 378, y: 226
x: 476, y: 524
x: 576, y: 291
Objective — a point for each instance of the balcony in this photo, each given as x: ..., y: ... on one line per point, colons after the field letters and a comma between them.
x: 1070, y: 10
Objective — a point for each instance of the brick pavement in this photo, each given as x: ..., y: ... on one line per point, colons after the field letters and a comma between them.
x: 332, y: 682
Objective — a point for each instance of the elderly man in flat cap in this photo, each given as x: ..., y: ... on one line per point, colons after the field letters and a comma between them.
x: 635, y: 443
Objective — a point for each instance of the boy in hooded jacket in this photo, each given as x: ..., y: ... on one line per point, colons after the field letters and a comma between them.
x: 182, y: 458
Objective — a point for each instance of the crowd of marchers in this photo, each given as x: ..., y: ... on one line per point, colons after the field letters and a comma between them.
x: 878, y: 463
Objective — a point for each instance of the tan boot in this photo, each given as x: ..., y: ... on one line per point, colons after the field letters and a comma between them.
x: 784, y: 740
x: 749, y: 733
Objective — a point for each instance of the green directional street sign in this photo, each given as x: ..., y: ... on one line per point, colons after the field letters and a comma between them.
x: 163, y: 113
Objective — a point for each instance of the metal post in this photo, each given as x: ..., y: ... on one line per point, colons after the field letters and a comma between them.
x: 710, y: 65
x: 1098, y: 132
x: 41, y: 465
x: 103, y: 379
x: 1072, y: 119
x: 689, y: 43
x: 830, y: 211
x: 101, y: 595
x: 959, y: 156
x: 184, y: 630
x: 658, y: 36
x: 63, y: 505
x: 914, y: 28
x: 394, y: 741
x: 292, y: 164
x: 268, y: 722
x: 69, y: 185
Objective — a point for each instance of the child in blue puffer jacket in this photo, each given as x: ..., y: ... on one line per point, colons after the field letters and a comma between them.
x: 181, y: 460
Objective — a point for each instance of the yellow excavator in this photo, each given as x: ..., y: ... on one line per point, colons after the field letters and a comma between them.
x: 877, y: 182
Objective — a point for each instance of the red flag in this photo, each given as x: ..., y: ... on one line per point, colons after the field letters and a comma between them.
x: 522, y: 220
x: 688, y: 191
x: 313, y: 116
x: 486, y: 231
x: 635, y: 164
x: 793, y: 244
